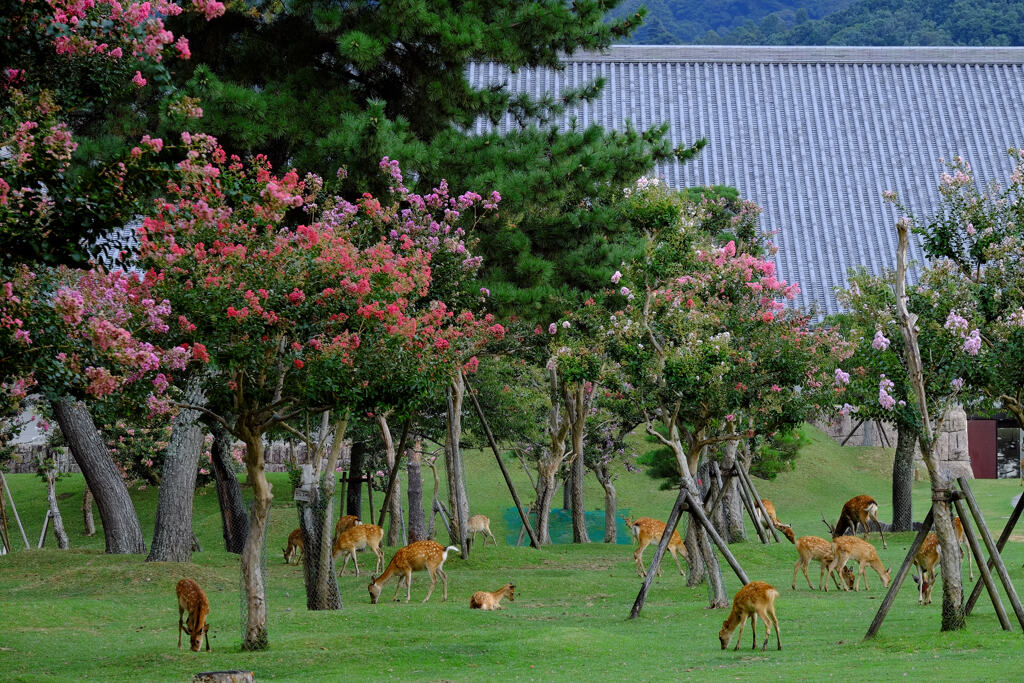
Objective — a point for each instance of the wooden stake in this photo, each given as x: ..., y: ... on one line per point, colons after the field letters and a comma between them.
x: 393, y: 476
x: 14, y: 509
x: 757, y: 501
x: 748, y: 503
x: 46, y: 525
x: 897, y: 581
x: 993, y: 552
x: 986, y: 575
x: 1003, y: 538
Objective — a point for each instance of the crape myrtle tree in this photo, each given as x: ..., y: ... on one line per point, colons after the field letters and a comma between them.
x: 976, y: 238
x: 701, y: 338
x: 294, y: 321
x: 68, y: 335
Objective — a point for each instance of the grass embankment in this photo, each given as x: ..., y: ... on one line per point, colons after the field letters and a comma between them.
x: 82, y: 614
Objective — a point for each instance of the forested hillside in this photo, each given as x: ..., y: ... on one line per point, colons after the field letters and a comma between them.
x: 833, y: 22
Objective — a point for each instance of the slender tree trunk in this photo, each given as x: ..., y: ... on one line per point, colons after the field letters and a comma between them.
x: 234, y: 520
x: 709, y: 489
x: 395, y: 521
x: 51, y: 495
x: 611, y: 526
x: 354, y: 500
x: 579, y: 508
x: 121, y: 529
x: 417, y: 520
x: 458, y: 500
x: 87, y: 519
x: 434, y: 501
x: 253, y: 579
x: 316, y: 514
x: 567, y: 491
x: 545, y: 492
x: 903, y: 480
x: 732, y: 504
x: 172, y: 537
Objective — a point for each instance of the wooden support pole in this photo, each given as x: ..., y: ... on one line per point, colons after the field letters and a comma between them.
x: 523, y: 515
x: 393, y: 477
x: 757, y: 501
x: 439, y: 507
x: 897, y: 581
x: 993, y: 552
x: 14, y: 509
x: 670, y: 527
x: 1003, y: 538
x: 986, y: 575
x: 698, y: 512
x: 722, y: 489
x: 46, y: 525
x: 748, y: 503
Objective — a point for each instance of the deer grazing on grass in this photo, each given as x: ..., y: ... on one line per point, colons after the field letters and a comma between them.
x: 192, y: 599
x: 925, y: 560
x: 480, y: 524
x: 487, y: 600
x: 756, y: 599
x: 786, y: 529
x: 357, y: 538
x: 845, y: 548
x: 344, y: 523
x: 857, y: 510
x: 961, y: 540
x: 646, y: 531
x: 293, y: 551
x: 421, y: 555
x: 815, y: 548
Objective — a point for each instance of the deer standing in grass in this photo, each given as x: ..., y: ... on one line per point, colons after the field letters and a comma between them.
x: 756, y: 599
x: 786, y: 529
x: 345, y: 523
x: 480, y: 524
x: 958, y: 526
x: 925, y: 560
x: 845, y: 548
x: 293, y: 551
x: 357, y: 538
x: 815, y: 548
x: 192, y: 599
x: 858, y: 510
x: 488, y: 600
x: 646, y: 531
x: 422, y: 555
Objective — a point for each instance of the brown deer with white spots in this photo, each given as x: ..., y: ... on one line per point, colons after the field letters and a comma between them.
x: 419, y: 556
x: 293, y: 551
x: 478, y: 524
x: 345, y: 523
x: 756, y: 599
x: 192, y: 599
x: 858, y: 510
x: 925, y: 560
x: 814, y: 548
x: 846, y: 548
x: 489, y: 600
x: 786, y: 529
x: 646, y: 531
x: 356, y: 538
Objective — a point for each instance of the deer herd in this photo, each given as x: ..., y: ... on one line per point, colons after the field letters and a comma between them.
x: 755, y: 599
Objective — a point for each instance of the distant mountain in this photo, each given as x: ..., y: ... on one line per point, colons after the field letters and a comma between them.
x: 832, y: 22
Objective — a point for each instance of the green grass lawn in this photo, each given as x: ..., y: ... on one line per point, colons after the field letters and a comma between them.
x: 82, y: 614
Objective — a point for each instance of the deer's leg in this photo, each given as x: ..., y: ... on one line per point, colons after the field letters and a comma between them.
x: 881, y: 533
x: 355, y: 561
x: 763, y: 613
x: 380, y: 559
x: 444, y: 584
x: 638, y: 555
x: 775, y: 620
x: 180, y: 625
x: 206, y: 635
x: 675, y: 556
x: 492, y: 537
x: 433, y: 580
x: 739, y: 636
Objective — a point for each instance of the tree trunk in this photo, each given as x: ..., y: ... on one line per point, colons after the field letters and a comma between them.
x: 579, y: 508
x: 567, y: 491
x: 253, y: 579
x: 717, y: 597
x: 87, y: 519
x: 458, y: 500
x: 121, y: 528
x: 354, y: 495
x: 611, y: 525
x: 394, y: 512
x: 172, y: 537
x: 732, y: 504
x: 903, y: 480
x: 417, y: 520
x: 695, y: 558
x: 709, y: 489
x: 546, y: 491
x: 234, y: 520
x: 51, y: 495
x: 435, y: 502
x: 316, y: 514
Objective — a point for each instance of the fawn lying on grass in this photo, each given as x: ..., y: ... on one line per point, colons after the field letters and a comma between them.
x: 487, y: 600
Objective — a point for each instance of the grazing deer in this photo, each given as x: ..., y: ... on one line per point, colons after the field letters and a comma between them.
x: 646, y: 531
x: 344, y: 523
x: 428, y: 555
x: 962, y: 542
x: 755, y: 599
x: 858, y: 510
x: 357, y: 538
x: 815, y: 548
x: 786, y: 529
x: 925, y: 560
x: 294, y: 548
x: 192, y: 599
x: 480, y: 524
x: 486, y: 600
x: 845, y: 548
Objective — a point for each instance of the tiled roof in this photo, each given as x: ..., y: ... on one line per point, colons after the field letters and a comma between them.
x: 813, y: 135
